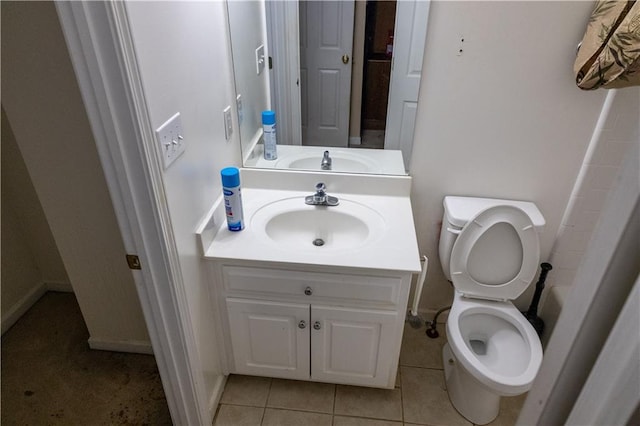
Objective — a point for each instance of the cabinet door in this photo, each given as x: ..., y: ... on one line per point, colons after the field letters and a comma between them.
x: 354, y: 346
x: 269, y: 338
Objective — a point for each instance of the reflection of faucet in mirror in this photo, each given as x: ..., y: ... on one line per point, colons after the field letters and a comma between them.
x: 352, y: 104
x: 326, y: 161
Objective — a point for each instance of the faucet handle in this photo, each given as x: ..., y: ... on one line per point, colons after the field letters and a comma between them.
x: 320, y: 187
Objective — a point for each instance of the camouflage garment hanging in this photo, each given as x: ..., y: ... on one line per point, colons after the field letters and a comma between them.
x: 609, y: 55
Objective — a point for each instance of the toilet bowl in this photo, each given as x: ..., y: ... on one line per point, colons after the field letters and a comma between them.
x: 490, y: 250
x: 492, y: 351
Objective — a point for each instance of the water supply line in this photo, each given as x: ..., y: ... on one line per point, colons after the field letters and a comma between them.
x: 414, y: 319
x: 432, y: 326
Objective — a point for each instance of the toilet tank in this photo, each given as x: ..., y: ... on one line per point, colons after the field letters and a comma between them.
x: 459, y: 210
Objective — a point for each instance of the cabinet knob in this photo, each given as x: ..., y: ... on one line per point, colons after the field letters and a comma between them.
x: 302, y: 324
x: 308, y: 291
x: 317, y: 325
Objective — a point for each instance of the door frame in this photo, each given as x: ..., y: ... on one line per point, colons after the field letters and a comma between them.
x: 99, y: 42
x: 283, y: 42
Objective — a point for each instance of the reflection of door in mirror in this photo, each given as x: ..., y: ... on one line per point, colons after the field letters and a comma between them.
x: 326, y: 40
x: 392, y: 116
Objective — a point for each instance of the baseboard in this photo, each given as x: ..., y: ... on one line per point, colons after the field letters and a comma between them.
x: 355, y: 140
x: 14, y: 313
x: 133, y: 346
x: 60, y: 286
x: 217, y: 394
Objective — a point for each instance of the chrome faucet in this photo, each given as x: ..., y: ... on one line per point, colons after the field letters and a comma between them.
x: 320, y: 198
x: 326, y: 161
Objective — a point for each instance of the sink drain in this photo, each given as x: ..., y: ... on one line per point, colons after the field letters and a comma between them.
x: 318, y: 242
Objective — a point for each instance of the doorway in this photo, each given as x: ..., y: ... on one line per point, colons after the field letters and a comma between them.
x: 376, y: 71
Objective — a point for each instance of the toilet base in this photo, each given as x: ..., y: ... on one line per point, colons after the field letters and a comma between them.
x: 469, y: 397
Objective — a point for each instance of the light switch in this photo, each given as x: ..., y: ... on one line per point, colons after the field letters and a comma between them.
x: 171, y: 139
x: 228, y: 123
x: 260, y: 59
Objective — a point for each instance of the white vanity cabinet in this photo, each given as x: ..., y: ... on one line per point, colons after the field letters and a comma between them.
x: 315, y: 323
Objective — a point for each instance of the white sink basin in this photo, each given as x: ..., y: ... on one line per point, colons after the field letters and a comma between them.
x: 290, y: 223
x: 352, y: 160
x: 372, y: 227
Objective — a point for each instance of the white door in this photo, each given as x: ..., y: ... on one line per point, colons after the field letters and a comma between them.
x: 269, y: 338
x: 353, y: 346
x: 406, y: 69
x: 326, y: 41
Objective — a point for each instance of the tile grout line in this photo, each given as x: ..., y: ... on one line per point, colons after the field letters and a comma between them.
x: 264, y: 409
x: 335, y: 395
x: 424, y: 368
x: 401, y: 396
x: 297, y: 410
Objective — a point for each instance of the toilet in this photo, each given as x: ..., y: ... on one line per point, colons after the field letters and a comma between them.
x: 489, y: 250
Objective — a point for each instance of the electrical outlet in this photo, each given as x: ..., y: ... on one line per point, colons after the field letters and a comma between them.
x: 228, y: 124
x: 171, y: 139
x: 260, y: 59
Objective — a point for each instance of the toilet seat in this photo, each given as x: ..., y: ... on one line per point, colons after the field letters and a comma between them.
x: 521, y: 223
x: 520, y: 354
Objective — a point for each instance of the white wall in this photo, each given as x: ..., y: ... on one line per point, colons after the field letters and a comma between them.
x: 601, y: 166
x: 42, y: 102
x: 247, y: 25
x: 613, y: 143
x: 502, y: 120
x: 197, y: 82
x: 18, y: 191
x: 30, y: 258
x: 21, y: 279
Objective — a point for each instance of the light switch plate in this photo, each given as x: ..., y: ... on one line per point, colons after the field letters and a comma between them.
x: 260, y: 59
x: 240, y: 111
x: 171, y: 139
x: 228, y: 123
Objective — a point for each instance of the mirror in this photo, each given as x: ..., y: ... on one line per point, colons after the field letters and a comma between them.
x: 331, y: 84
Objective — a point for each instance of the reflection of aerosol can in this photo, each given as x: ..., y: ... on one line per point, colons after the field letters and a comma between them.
x: 269, y: 135
x: 389, y: 51
x: 232, y: 198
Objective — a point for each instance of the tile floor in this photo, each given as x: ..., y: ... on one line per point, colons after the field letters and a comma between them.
x: 372, y: 139
x: 419, y: 398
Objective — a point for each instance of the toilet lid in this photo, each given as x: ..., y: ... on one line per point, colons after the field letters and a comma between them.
x: 496, y: 254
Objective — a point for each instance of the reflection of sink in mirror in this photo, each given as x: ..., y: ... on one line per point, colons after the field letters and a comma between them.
x: 339, y: 165
x: 374, y: 161
x: 291, y: 223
